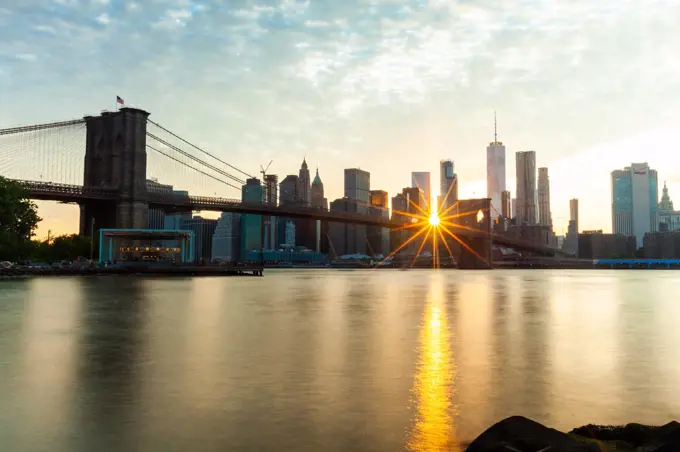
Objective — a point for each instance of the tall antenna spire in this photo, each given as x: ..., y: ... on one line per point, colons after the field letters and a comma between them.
x: 495, y: 129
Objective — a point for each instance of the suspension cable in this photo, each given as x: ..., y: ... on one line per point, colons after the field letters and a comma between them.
x: 35, y: 127
x: 191, y: 167
x: 196, y: 147
x: 196, y: 159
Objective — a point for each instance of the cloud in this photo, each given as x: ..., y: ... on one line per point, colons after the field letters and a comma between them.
x: 103, y: 19
x: 26, y: 57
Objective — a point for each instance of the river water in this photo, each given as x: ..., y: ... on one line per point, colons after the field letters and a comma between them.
x: 331, y: 360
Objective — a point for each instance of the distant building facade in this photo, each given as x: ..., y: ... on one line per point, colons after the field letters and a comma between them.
x: 227, y: 238
x: 526, y: 187
x: 596, y: 245
x: 204, y: 230
x: 448, y: 185
x: 495, y: 174
x: 156, y: 218
x: 421, y: 179
x: 378, y: 237
x: 669, y: 218
x: 634, y: 201
x: 544, y: 214
x: 251, y: 225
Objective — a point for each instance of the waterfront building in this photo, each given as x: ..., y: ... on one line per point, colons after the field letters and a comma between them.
x: 495, y: 172
x: 251, y: 225
x: 293, y: 256
x: 544, y: 214
x: 203, y: 229
x: 227, y: 238
x: 526, y: 188
x: 634, y: 201
x: 448, y: 185
x: 399, y: 236
x: 596, y: 245
x: 421, y: 179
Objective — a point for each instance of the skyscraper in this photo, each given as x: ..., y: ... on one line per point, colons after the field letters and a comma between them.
x: 320, y: 202
x: 226, y: 238
x: 526, y: 187
x: 251, y: 225
x: 421, y: 179
x: 506, y: 207
x: 379, y: 237
x: 271, y: 197
x: 573, y: 212
x: 544, y: 214
x: 635, y: 195
x: 358, y: 185
x: 448, y: 185
x: 304, y: 185
x: 288, y: 194
x: 495, y: 172
x: 203, y: 229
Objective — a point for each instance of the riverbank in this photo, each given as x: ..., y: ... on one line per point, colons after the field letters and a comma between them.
x: 161, y: 271
x: 521, y: 434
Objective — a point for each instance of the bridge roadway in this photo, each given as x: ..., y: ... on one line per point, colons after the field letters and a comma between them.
x: 173, y: 203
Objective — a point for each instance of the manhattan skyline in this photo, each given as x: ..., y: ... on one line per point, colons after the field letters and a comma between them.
x: 389, y: 88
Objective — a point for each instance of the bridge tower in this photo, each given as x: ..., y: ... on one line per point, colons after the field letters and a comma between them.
x: 475, y: 216
x: 115, y: 158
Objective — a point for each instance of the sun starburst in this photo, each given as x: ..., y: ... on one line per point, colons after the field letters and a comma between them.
x: 434, y: 226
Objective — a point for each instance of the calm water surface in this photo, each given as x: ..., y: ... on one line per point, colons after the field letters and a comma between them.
x: 331, y: 360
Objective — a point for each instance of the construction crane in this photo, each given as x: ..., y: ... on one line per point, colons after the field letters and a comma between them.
x: 264, y: 170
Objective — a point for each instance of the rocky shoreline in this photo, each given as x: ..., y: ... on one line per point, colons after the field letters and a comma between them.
x: 519, y: 434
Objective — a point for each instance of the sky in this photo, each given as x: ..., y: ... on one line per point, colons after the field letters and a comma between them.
x: 390, y: 86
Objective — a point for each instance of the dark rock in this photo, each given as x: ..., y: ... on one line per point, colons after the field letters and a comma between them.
x: 636, y: 435
x: 519, y: 434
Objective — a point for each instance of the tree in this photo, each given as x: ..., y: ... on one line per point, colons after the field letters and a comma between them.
x: 18, y: 221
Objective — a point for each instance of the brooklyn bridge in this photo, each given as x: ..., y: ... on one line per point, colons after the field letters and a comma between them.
x: 102, y: 164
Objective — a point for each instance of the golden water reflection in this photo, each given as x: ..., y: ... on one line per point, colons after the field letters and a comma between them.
x: 433, y: 426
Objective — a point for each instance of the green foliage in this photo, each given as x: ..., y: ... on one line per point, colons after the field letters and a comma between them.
x: 63, y: 247
x: 18, y: 221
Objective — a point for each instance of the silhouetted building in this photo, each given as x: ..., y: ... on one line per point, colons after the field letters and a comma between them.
x: 156, y: 218
x: 320, y: 202
x: 399, y: 236
x: 544, y: 214
x: 506, y: 208
x: 378, y: 237
x: 347, y: 238
x: 573, y: 212
x: 596, y: 245
x: 304, y: 185
x: 662, y: 245
x: 288, y: 195
x: 227, y: 238
x: 203, y: 229
x: 251, y: 225
x: 270, y: 222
